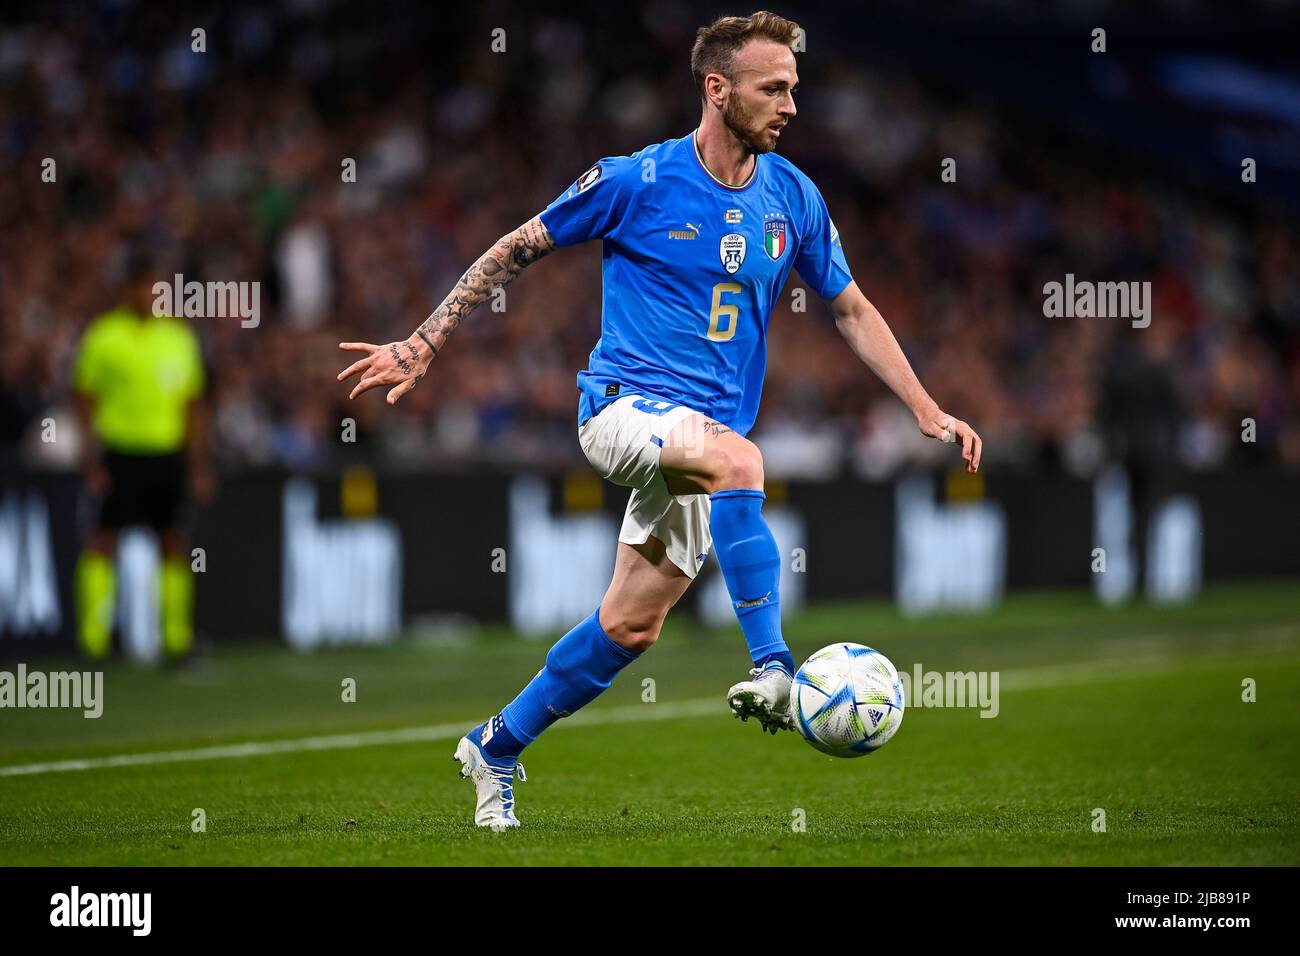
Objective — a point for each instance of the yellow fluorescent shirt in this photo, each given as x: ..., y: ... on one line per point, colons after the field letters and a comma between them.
x: 141, y: 373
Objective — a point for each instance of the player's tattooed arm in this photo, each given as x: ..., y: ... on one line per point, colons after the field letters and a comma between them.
x: 495, y: 269
x: 403, y: 364
x: 874, y: 343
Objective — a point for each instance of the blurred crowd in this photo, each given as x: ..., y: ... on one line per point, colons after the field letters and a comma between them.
x: 230, y: 165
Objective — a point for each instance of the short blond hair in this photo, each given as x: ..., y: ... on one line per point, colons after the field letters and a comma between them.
x: 716, y: 45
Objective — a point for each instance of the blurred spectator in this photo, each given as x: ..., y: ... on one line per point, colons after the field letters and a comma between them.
x: 232, y: 164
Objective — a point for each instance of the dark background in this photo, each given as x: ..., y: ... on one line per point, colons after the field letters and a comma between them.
x: 225, y: 165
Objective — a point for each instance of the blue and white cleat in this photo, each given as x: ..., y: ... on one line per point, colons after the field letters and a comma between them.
x: 494, y: 780
x: 766, y: 697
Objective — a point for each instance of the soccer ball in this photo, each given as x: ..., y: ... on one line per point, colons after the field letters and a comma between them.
x: 846, y: 700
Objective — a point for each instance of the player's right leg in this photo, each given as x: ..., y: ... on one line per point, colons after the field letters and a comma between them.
x: 169, y: 489
x: 661, y: 545
x: 96, y: 579
x: 580, y: 667
x: 96, y: 587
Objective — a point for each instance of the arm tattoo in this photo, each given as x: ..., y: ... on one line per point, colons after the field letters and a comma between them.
x: 495, y: 269
x: 432, y: 348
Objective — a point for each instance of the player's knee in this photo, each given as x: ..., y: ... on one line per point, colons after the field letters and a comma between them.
x: 635, y: 632
x: 740, y: 465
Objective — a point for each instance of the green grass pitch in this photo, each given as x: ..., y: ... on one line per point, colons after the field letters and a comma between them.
x: 1137, y: 711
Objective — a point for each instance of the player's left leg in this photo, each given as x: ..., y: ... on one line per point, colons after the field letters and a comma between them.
x: 704, y: 457
x: 578, y: 669
x: 177, y: 596
x: 96, y: 585
x: 96, y: 577
x: 166, y: 507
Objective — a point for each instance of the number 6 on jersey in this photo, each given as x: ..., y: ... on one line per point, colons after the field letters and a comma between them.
x: 720, y: 311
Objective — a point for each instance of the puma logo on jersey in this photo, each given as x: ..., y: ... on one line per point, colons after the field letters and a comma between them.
x: 691, y: 231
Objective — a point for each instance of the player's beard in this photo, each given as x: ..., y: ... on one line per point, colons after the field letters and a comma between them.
x: 743, y: 125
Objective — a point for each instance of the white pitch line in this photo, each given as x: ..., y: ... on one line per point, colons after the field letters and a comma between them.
x: 1065, y: 675
x: 1034, y: 678
x: 426, y: 734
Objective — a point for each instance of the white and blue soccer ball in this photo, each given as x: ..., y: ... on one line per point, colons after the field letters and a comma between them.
x: 847, y: 700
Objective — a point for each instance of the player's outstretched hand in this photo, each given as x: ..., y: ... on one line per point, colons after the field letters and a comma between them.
x: 398, y: 364
x: 944, y: 427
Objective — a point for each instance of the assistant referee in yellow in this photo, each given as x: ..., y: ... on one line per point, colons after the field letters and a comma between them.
x: 140, y: 382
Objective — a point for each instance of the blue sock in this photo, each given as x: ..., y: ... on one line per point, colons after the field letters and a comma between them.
x: 501, y: 742
x: 579, y: 668
x: 782, y: 656
x: 751, y: 566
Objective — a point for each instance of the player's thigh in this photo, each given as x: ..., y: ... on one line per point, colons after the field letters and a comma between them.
x: 165, y: 490
x: 127, y: 490
x: 645, y: 586
x: 623, y: 442
x: 701, y: 456
x: 676, y: 525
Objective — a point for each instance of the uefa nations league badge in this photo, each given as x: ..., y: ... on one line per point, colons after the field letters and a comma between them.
x: 732, y: 251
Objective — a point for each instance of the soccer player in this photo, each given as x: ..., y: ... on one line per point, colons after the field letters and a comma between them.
x: 700, y: 234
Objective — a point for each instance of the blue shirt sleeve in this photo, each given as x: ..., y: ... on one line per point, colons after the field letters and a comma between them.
x: 820, y: 259
x: 592, y: 207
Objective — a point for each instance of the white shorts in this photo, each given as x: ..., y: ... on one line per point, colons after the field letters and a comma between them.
x: 623, y: 443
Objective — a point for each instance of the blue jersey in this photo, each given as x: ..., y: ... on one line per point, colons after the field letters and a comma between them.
x: 692, y: 269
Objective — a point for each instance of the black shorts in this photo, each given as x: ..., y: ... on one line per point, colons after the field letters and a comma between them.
x: 144, y: 490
